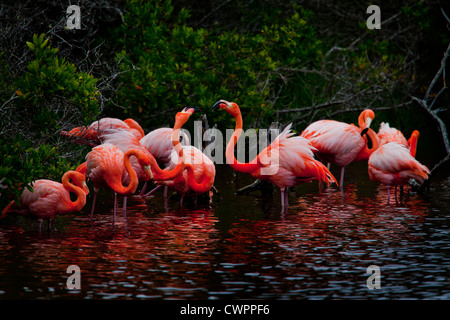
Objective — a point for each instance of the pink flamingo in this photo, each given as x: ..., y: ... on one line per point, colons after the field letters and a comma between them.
x: 293, y: 157
x: 386, y: 134
x: 50, y: 198
x: 197, y: 178
x: 342, y: 143
x: 92, y: 135
x: 392, y: 164
x: 107, y: 165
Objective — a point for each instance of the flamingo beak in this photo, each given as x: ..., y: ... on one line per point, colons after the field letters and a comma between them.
x: 368, y: 123
x: 190, y: 109
x: 217, y: 105
x: 149, y: 171
x: 85, y: 187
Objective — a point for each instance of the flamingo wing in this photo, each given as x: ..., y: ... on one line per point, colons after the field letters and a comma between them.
x: 336, y: 142
x: 392, y: 164
x: 289, y: 161
x: 104, y: 163
x: 47, y: 199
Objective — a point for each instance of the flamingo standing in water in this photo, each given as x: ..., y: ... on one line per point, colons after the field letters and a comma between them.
x: 197, y: 178
x: 92, y: 135
x: 50, y: 198
x: 293, y: 158
x: 392, y: 164
x: 387, y: 134
x: 342, y: 143
x: 107, y: 165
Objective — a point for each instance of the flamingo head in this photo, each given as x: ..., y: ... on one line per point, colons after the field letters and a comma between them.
x: 146, y: 165
x: 183, y: 116
x: 230, y: 107
x: 79, y: 180
x: 365, y: 119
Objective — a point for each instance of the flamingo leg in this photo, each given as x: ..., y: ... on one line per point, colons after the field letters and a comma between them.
x: 395, y: 194
x: 284, y: 197
x: 93, y: 206
x: 389, y: 194
x: 166, y: 189
x: 143, y: 189
x: 341, y: 183
x: 115, y: 204
x: 152, y: 191
x: 125, y: 209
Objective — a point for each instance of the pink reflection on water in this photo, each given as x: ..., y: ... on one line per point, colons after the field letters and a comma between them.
x: 169, y: 251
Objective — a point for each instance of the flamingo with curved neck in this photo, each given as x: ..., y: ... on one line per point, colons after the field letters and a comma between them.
x: 50, y: 198
x: 291, y: 159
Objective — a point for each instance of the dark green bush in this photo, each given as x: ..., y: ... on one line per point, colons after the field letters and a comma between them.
x: 52, y: 90
x: 166, y: 63
x: 49, y: 96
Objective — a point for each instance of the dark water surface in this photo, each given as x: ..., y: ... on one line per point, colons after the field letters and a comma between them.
x: 240, y: 246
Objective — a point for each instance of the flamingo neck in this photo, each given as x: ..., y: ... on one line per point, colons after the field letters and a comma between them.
x: 158, y: 173
x: 197, y: 187
x: 412, y: 143
x: 133, y: 183
x: 82, y: 168
x: 79, y: 203
x: 134, y: 125
x: 361, y: 121
x: 229, y: 152
x: 365, y: 153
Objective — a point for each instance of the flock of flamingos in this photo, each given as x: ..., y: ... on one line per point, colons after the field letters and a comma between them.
x: 123, y: 156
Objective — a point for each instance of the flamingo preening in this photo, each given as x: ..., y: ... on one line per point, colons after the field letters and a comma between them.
x: 286, y: 162
x: 394, y: 163
x: 108, y: 166
x: 50, y: 198
x: 342, y: 143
